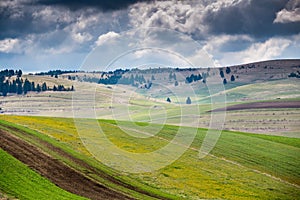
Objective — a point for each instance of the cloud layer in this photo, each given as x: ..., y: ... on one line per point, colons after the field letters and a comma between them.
x: 231, y: 31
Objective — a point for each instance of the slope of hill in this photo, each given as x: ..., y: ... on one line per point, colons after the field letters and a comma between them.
x: 241, y: 165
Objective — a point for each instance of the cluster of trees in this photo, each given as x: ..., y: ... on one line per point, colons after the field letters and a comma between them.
x: 294, y: 74
x: 222, y: 75
x: 195, y: 78
x: 71, y: 78
x: 10, y: 72
x: 133, y: 80
x: 118, y: 78
x: 227, y: 70
x: 20, y: 86
x: 172, y: 76
x: 113, y: 79
x: 56, y: 72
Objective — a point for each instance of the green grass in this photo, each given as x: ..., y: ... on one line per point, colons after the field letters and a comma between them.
x: 18, y: 180
x: 235, y: 170
x: 34, y: 137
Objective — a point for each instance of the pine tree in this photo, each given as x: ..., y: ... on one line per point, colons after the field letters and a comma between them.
x: 222, y: 74
x: 19, y: 88
x: 152, y: 77
x: 19, y: 73
x: 188, y: 100
x: 13, y: 87
x: 170, y: 75
x: 176, y: 83
x: 27, y: 86
x: 5, y: 88
x: 44, y: 86
x: 32, y: 86
x: 38, y: 88
x: 174, y: 76
x: 168, y: 100
x: 228, y: 70
x: 232, y: 78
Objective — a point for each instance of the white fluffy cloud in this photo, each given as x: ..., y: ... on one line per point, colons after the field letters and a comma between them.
x: 259, y: 51
x: 8, y: 45
x: 107, y: 37
x: 184, y: 16
x: 286, y: 16
x: 167, y: 14
x: 53, y: 15
x: 82, y: 37
x: 266, y: 50
x: 289, y: 14
x: 215, y: 43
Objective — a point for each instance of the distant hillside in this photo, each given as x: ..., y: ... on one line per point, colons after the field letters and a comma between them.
x: 266, y: 70
x: 161, y: 83
x: 242, y: 73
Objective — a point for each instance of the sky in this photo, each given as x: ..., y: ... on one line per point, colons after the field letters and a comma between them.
x: 39, y: 35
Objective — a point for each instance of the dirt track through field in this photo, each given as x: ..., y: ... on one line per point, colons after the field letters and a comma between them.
x: 81, y: 163
x: 260, y: 105
x: 53, y: 169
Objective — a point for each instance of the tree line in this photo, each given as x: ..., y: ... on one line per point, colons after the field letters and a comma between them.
x: 20, y: 86
x: 195, y: 78
x: 56, y: 72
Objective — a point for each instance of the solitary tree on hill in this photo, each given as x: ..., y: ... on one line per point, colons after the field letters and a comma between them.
x: 232, y: 78
x: 222, y: 74
x: 152, y: 77
x: 228, y: 70
x: 169, y: 100
x: 188, y: 100
x: 176, y: 83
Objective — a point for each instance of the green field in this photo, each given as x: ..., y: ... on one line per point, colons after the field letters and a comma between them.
x: 128, y: 104
x: 241, y: 166
x: 19, y: 181
x: 256, y: 157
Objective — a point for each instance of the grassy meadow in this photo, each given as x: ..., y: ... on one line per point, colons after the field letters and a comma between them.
x: 241, y: 166
x: 257, y: 155
x: 21, y: 182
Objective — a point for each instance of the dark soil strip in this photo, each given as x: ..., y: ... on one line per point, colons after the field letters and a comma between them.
x: 83, y: 164
x: 260, y: 105
x: 59, y: 173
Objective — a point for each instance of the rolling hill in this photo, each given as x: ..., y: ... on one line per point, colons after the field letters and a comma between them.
x: 255, y: 157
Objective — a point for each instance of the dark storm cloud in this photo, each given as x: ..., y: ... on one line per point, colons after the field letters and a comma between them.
x: 253, y: 17
x: 104, y: 5
x: 232, y: 29
x: 18, y: 19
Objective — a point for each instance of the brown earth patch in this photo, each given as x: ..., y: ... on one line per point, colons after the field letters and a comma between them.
x: 59, y: 173
x: 260, y: 105
x: 81, y: 163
